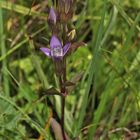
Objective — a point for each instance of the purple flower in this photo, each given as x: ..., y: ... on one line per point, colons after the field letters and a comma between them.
x: 52, y: 16
x: 56, y: 50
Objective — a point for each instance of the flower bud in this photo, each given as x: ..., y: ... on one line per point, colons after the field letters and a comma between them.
x: 71, y: 35
x: 65, y: 10
x: 68, y: 5
x: 52, y: 16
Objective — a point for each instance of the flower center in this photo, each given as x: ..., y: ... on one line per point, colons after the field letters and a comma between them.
x: 57, y: 51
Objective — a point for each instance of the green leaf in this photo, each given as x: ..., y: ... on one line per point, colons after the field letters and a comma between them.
x: 52, y: 91
x: 26, y: 92
x: 19, y: 9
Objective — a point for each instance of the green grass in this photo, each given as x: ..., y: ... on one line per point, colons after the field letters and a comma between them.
x: 105, y: 103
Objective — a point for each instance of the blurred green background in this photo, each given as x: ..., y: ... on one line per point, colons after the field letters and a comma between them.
x: 105, y: 103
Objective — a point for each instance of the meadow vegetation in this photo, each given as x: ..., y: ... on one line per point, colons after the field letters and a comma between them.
x: 104, y: 103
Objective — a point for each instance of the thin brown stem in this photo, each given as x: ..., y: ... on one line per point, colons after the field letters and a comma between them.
x: 62, y: 87
x: 62, y: 80
x: 63, y: 118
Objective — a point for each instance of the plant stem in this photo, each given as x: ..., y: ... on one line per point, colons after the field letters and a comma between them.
x: 63, y: 118
x: 62, y: 80
x: 62, y: 88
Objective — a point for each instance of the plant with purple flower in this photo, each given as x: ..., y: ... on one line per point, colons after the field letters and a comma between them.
x: 61, y: 45
x: 56, y: 51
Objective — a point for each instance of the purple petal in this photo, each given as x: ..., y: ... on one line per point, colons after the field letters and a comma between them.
x: 55, y: 42
x: 57, y: 52
x: 52, y: 16
x: 66, y: 48
x: 46, y: 51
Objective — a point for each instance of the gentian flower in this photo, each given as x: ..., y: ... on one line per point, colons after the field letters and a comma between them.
x: 56, y: 51
x: 52, y: 16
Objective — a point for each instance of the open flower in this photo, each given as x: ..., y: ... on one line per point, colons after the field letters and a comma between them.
x: 56, y: 50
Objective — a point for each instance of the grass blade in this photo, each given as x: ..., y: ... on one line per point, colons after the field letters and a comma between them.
x: 3, y: 51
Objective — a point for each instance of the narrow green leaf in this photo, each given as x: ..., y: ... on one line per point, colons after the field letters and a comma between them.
x: 19, y: 9
x: 14, y: 48
x: 3, y: 51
